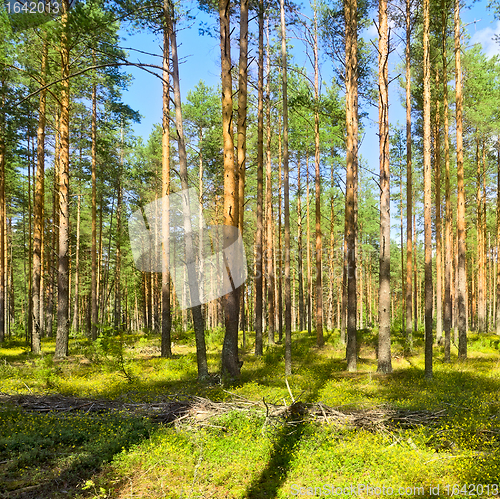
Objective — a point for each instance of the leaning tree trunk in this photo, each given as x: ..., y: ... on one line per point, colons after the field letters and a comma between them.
x: 62, y: 337
x: 230, y: 362
x: 198, y: 321
x: 461, y: 278
x: 427, y: 194
x: 351, y: 47
x: 384, y: 336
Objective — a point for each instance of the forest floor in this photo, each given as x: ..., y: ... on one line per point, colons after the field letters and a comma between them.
x: 115, y: 420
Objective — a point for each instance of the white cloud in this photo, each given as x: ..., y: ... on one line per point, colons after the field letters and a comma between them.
x: 485, y: 38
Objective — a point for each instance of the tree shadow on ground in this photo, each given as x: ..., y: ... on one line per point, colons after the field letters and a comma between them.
x: 270, y: 480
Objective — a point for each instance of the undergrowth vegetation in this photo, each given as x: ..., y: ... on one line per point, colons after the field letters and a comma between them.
x: 243, y: 454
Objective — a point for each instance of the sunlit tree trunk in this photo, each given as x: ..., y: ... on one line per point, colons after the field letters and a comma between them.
x: 299, y: 248
x: 39, y: 214
x: 384, y: 336
x: 409, y: 194
x: 319, y: 243
x: 198, y: 321
x: 286, y: 191
x: 498, y: 240
x: 270, y: 254
x: 427, y: 194
x: 3, y: 217
x: 61, y: 349
x: 230, y: 362
x: 448, y: 216
x: 260, y: 172
x: 166, y: 313
x: 437, y: 180
x: 351, y: 44
x: 461, y: 285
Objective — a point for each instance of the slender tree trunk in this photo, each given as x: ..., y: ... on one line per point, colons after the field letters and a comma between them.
x: 62, y: 338
x: 286, y: 189
x: 498, y: 240
x: 39, y: 202
x: 3, y: 214
x: 427, y: 194
x: 409, y: 186
x: 448, y: 215
x: 461, y: 287
x: 308, y: 251
x: 166, y: 314
x: 351, y: 44
x: 269, y: 202
x: 299, y: 248
x: 242, y: 138
x: 76, y: 323
x: 480, y: 244
x: 198, y: 321
x: 319, y: 243
x: 230, y: 362
x: 118, y: 284
x: 260, y: 169
x: 384, y: 301
x: 439, y: 257
x: 93, y: 289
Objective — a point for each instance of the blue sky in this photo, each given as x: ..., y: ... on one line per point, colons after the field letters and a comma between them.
x: 200, y: 57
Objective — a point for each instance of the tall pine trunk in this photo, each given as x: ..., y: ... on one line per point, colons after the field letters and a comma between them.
x: 286, y: 196
x: 461, y: 277
x: 62, y: 337
x: 198, y: 321
x: 39, y: 200
x: 427, y: 194
x: 351, y: 48
x: 230, y: 362
x: 260, y: 173
x: 384, y: 301
x: 166, y: 314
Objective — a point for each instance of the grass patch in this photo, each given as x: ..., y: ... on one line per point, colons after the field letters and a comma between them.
x: 241, y: 454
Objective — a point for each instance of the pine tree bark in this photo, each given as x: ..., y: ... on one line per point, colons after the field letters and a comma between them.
x: 93, y: 287
x: 319, y: 243
x: 439, y: 256
x: 300, y: 270
x: 384, y: 336
x: 260, y: 172
x: 448, y: 215
x: 461, y: 278
x: 351, y: 47
x: 242, y: 141
x: 166, y: 314
x: 230, y: 362
x: 409, y: 181
x: 498, y: 240
x: 198, y: 320
x: 39, y: 202
x: 270, y: 255
x: 286, y: 198
x: 427, y: 193
x: 62, y: 337
x: 3, y: 217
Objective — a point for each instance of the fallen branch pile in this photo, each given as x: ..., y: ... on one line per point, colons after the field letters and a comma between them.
x: 198, y: 411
